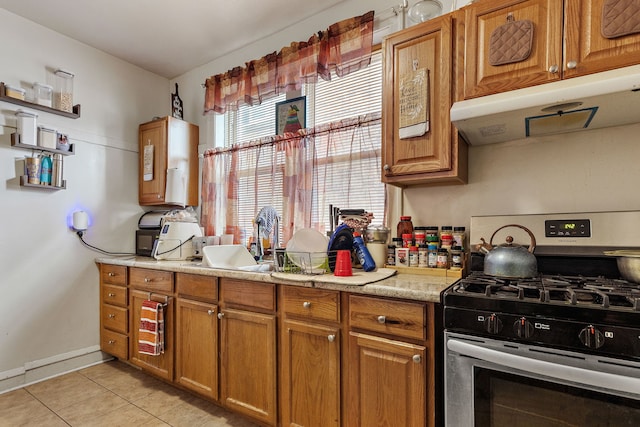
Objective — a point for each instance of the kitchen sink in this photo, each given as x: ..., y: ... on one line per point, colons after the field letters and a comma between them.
x: 231, y: 257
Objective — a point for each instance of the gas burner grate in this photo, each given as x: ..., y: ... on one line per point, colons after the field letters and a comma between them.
x: 579, y: 291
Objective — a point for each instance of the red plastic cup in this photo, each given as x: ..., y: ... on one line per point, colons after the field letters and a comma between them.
x: 343, y: 264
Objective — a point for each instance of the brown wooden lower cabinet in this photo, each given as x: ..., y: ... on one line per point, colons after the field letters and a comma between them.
x: 248, y: 363
x: 248, y: 358
x: 162, y: 365
x: 197, y: 347
x: 386, y: 382
x: 310, y: 374
x: 282, y: 355
x: 310, y: 357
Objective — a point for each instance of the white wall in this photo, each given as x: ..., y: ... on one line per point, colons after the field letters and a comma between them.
x: 589, y: 171
x: 49, y: 282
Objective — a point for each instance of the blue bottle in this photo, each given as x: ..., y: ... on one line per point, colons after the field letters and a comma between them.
x: 45, y: 171
x: 365, y: 258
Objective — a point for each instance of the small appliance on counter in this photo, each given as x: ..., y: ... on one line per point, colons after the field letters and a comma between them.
x: 148, y: 232
x: 175, y: 240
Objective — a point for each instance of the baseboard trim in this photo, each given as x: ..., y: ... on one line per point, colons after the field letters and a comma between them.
x: 43, y: 369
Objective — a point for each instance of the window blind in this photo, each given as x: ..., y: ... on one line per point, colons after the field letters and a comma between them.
x: 348, y: 166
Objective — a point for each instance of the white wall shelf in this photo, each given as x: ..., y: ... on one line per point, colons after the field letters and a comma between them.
x: 3, y: 97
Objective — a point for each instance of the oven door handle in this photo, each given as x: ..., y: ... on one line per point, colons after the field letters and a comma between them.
x: 572, y: 374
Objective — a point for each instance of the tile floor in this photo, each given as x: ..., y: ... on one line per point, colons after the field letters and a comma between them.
x: 110, y: 394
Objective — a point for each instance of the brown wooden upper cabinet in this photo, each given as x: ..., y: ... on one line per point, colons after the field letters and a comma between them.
x: 512, y: 44
x: 167, y: 143
x: 419, y: 145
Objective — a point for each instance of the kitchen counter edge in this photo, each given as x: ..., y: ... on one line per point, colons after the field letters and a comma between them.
x: 407, y: 286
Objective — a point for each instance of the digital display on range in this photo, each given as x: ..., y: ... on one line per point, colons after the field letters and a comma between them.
x: 567, y: 228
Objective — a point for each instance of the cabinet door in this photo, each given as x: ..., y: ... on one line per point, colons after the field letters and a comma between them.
x: 310, y: 375
x: 386, y: 382
x: 587, y: 50
x: 152, y: 163
x: 482, y: 18
x: 414, y: 58
x: 162, y: 365
x: 248, y: 363
x: 197, y: 347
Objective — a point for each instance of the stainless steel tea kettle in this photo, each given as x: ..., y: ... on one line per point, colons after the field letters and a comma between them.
x: 509, y: 259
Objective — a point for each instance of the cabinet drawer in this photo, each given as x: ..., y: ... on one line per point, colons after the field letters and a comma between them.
x: 398, y: 318
x: 115, y: 344
x: 196, y: 286
x: 115, y: 295
x: 311, y: 303
x: 248, y: 294
x: 151, y: 280
x: 115, y: 318
x: 113, y: 274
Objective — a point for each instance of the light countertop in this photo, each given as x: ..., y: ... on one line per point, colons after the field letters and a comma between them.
x: 419, y: 287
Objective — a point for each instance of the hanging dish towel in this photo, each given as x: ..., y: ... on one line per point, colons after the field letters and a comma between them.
x: 151, y: 332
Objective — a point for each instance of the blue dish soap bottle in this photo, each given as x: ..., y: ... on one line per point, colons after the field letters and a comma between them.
x: 45, y: 170
x: 365, y: 258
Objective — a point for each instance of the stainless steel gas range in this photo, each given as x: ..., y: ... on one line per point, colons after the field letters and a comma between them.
x: 561, y: 348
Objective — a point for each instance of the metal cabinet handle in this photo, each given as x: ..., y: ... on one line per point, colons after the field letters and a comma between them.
x: 572, y: 64
x: 331, y: 338
x: 111, y: 294
x: 553, y: 69
x: 382, y: 319
x: 416, y: 358
x: 306, y: 304
x: 210, y: 312
x: 147, y: 280
x: 111, y: 274
x: 112, y: 342
x: 220, y: 315
x: 386, y: 168
x: 112, y: 316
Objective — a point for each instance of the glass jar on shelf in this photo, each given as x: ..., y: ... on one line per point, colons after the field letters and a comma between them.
x: 405, y: 226
x: 62, y: 82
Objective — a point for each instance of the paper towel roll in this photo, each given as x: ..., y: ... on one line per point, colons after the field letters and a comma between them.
x: 176, y: 190
x: 378, y: 252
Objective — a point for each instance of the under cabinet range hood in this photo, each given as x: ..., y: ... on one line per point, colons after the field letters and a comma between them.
x: 610, y: 98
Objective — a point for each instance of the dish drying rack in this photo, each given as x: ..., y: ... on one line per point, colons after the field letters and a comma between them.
x: 309, y: 263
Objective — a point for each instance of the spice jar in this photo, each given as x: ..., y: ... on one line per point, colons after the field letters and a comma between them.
x: 407, y: 240
x: 446, y: 237
x: 431, y: 233
x: 456, y: 258
x: 420, y: 235
x: 402, y: 257
x: 405, y: 226
x: 423, y: 256
x: 442, y: 260
x: 413, y: 256
x: 432, y: 256
x: 391, y: 255
x: 458, y: 236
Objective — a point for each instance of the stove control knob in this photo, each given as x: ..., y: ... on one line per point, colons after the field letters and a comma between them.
x: 591, y: 337
x: 493, y: 324
x: 523, y: 328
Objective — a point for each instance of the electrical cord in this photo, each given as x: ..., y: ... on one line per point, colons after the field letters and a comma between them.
x: 177, y: 247
x: 94, y: 248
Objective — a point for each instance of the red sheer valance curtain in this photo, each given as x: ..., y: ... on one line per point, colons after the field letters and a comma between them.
x: 343, y: 48
x: 295, y: 173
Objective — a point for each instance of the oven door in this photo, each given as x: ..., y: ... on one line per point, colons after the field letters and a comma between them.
x: 499, y: 383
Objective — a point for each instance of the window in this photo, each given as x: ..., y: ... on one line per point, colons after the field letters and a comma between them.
x: 347, y: 164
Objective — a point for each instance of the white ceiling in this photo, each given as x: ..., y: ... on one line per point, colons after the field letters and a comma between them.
x: 167, y: 37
